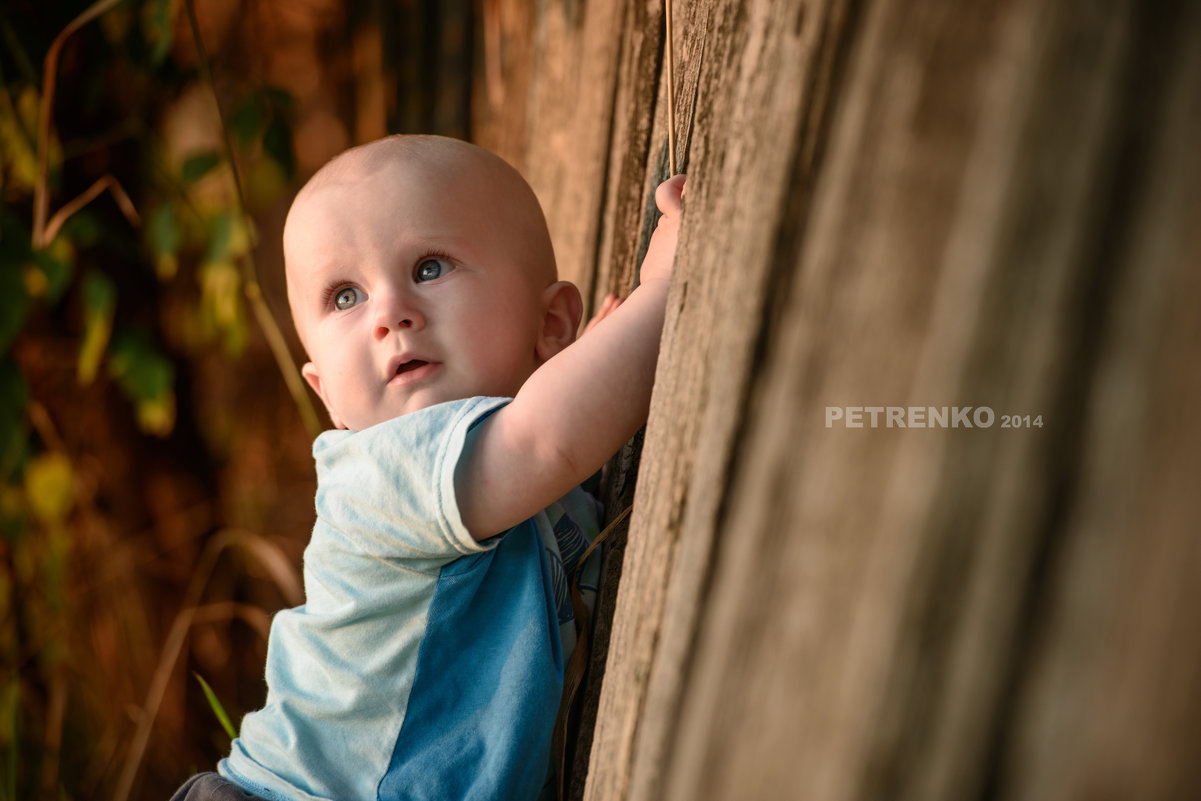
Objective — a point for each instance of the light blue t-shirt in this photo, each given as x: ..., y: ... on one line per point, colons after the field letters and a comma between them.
x: 424, y: 664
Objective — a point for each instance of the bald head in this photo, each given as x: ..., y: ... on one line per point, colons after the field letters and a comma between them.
x: 468, y: 182
x: 420, y: 271
x: 439, y: 154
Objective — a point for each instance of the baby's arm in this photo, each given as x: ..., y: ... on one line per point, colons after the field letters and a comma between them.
x: 579, y: 407
x: 610, y: 303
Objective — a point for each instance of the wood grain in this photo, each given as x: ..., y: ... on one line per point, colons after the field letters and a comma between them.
x: 920, y: 204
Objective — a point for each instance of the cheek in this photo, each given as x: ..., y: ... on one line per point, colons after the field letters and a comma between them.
x: 341, y: 371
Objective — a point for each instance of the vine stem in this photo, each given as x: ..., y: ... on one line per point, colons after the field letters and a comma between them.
x: 43, y: 233
x: 671, y: 90
x: 250, y: 279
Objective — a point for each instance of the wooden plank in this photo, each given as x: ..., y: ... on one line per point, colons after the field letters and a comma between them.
x: 797, y: 652
x: 570, y: 101
x: 757, y: 65
x: 879, y: 612
x: 550, y: 110
x: 920, y: 204
x: 1108, y: 703
x: 572, y: 114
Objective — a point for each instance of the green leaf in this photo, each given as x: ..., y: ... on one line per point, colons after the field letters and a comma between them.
x: 99, y: 292
x: 99, y: 307
x: 13, y: 395
x: 16, y: 140
x: 277, y: 143
x: 247, y: 121
x: 281, y: 100
x: 147, y: 378
x: 15, y: 256
x: 14, y: 432
x: 14, y: 237
x: 158, y: 25
x: 50, y: 487
x: 55, y: 264
x: 230, y: 236
x: 139, y: 367
x: 218, y: 710
x: 14, y: 302
x: 83, y: 230
x: 199, y: 165
x: 164, y: 234
x: 221, y: 303
x: 221, y: 288
x: 220, y: 236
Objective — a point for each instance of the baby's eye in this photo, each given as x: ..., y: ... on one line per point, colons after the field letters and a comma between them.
x: 430, y: 269
x: 348, y: 296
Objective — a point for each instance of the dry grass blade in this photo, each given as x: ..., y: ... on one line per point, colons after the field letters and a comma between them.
x: 41, y: 192
x: 671, y: 89
x: 276, y: 565
x: 55, y: 713
x: 184, y: 621
x: 62, y: 215
x: 275, y: 562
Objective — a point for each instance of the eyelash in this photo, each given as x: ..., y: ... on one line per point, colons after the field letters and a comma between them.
x: 333, y: 289
x: 433, y: 254
x: 331, y: 292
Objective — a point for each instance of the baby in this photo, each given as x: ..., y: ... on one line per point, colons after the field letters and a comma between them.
x: 427, y: 661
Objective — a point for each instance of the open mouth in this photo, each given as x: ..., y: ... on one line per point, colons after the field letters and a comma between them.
x: 410, y: 366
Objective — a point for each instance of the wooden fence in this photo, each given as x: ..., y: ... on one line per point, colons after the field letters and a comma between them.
x: 987, y: 207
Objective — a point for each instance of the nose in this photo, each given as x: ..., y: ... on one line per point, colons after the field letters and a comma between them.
x: 396, y: 312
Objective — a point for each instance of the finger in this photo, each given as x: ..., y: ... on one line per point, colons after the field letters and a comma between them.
x: 669, y: 193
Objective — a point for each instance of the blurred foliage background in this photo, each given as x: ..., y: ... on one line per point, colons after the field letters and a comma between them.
x: 156, y: 478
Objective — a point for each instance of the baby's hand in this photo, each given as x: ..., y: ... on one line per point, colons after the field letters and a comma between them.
x: 579, y: 407
x: 661, y: 253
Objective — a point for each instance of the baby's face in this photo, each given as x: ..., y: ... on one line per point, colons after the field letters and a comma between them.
x: 408, y: 290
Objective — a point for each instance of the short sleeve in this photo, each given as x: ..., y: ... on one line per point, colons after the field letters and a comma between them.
x: 390, y: 489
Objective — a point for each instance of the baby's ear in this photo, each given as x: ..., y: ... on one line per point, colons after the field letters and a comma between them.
x: 309, y: 371
x: 564, y: 308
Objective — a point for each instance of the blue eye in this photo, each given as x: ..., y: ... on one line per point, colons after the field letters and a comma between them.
x: 431, y: 269
x: 348, y: 296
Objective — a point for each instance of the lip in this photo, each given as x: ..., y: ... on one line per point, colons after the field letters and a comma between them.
x: 409, y: 368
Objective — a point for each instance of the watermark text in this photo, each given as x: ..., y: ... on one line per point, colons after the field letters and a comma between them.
x: 926, y: 417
